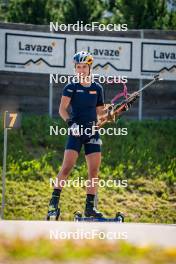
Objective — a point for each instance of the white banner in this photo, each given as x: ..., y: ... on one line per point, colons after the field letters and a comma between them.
x: 157, y: 56
x: 39, y: 52
x: 115, y: 55
x: 27, y: 50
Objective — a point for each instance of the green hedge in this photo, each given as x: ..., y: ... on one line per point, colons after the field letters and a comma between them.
x: 149, y: 150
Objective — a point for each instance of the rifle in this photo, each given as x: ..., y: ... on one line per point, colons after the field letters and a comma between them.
x: 115, y: 110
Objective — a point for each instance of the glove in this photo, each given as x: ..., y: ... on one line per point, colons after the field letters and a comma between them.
x: 73, y: 127
x: 75, y: 130
x: 69, y: 122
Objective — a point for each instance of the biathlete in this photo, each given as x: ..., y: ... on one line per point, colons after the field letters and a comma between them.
x: 87, y: 103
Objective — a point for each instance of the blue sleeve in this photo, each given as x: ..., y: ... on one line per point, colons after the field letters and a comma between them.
x: 68, y: 90
x: 100, y: 99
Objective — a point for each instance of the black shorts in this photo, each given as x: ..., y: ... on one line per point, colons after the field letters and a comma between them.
x: 91, y: 143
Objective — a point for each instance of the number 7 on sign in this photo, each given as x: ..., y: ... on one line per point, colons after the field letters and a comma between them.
x: 11, y: 120
x: 13, y: 117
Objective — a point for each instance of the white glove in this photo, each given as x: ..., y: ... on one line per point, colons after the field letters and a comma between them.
x: 75, y: 130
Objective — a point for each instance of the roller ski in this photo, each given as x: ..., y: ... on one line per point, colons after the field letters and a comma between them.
x: 91, y: 214
x: 79, y: 217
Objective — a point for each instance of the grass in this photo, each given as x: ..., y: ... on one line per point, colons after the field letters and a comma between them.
x: 29, y: 200
x: 146, y: 159
x: 93, y: 251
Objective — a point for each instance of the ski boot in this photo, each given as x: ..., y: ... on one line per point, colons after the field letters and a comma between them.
x: 92, y: 212
x: 53, y: 210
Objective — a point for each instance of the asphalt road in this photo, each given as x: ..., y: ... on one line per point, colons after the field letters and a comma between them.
x: 137, y: 233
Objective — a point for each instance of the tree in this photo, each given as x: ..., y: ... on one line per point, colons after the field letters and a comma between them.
x: 143, y: 14
x: 62, y: 11
x: 71, y: 11
x: 172, y: 17
x: 3, y: 11
x: 28, y: 11
x: 137, y: 14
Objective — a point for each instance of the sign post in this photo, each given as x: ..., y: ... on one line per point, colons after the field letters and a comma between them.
x: 140, y: 86
x: 11, y: 120
x: 50, y: 99
x: 4, y: 172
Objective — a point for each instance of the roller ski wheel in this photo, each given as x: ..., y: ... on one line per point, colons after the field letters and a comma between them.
x: 77, y: 214
x: 79, y: 217
x: 53, y: 215
x: 120, y: 217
